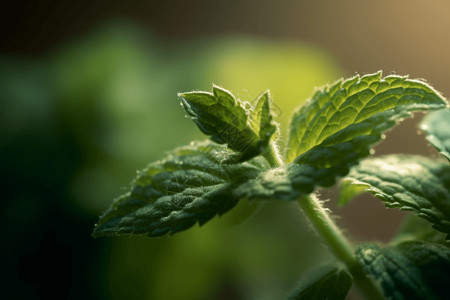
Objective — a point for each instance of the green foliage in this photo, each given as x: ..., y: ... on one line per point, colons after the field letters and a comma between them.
x: 244, y: 128
x: 192, y: 184
x: 337, y: 128
x: 328, y: 137
x: 341, y: 122
x: 274, y: 184
x: 94, y: 110
x: 410, y: 270
x: 327, y: 282
x: 409, y: 182
x: 415, y: 228
x: 437, y: 128
x: 357, y: 107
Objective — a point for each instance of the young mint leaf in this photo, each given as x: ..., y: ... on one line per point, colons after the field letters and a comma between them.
x: 409, y: 182
x: 245, y: 128
x: 330, y: 282
x: 286, y: 183
x: 273, y: 184
x: 339, y: 125
x: 415, y: 228
x: 261, y: 119
x: 437, y: 127
x: 411, y: 270
x: 192, y: 184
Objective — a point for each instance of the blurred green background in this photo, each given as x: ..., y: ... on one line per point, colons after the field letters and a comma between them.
x: 88, y: 96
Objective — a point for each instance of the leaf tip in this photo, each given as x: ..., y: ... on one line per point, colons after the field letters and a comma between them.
x: 220, y: 92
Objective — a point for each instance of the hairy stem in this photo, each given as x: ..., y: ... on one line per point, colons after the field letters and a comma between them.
x: 272, y: 155
x: 338, y: 244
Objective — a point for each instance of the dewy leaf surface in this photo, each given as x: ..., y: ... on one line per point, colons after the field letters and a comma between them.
x: 437, y: 128
x: 192, y: 184
x: 411, y: 270
x: 245, y: 128
x: 330, y: 282
x: 409, y: 182
x: 339, y: 125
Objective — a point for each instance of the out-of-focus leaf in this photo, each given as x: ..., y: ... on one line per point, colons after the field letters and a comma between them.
x: 192, y: 184
x: 409, y: 182
x: 411, y: 270
x: 330, y: 282
x: 415, y: 228
x: 437, y: 127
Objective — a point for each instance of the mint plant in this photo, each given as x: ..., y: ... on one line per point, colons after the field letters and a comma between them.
x: 330, y: 136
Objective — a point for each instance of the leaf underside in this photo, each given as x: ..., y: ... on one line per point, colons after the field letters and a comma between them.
x: 192, y: 184
x: 437, y: 128
x: 410, y: 270
x: 330, y: 282
x: 408, y: 182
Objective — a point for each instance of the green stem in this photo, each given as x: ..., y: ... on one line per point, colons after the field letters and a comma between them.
x: 338, y: 244
x: 272, y: 156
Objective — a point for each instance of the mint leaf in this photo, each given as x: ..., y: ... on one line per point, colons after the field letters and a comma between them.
x: 328, y: 282
x: 437, y: 127
x: 192, y: 184
x: 274, y: 184
x: 411, y: 270
x: 355, y: 102
x: 415, y: 228
x: 246, y: 129
x: 339, y: 125
x: 409, y: 182
x: 284, y: 183
x: 261, y: 119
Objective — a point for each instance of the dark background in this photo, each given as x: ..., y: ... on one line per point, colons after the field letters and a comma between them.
x: 65, y: 154
x: 363, y: 36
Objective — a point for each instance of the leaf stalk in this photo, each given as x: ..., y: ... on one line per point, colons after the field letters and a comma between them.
x: 338, y: 244
x: 272, y: 156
